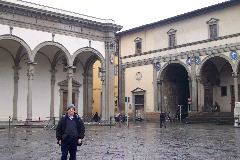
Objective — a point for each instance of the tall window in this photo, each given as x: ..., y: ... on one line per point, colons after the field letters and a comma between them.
x: 172, y: 42
x: 213, y: 28
x: 138, y: 45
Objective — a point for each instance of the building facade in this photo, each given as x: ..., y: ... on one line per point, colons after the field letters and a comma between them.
x: 46, y: 61
x: 97, y: 87
x: 190, y: 60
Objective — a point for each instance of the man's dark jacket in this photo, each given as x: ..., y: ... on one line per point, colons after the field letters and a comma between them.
x: 62, y: 126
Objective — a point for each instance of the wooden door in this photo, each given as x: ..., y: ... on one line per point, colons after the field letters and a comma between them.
x: 139, y: 107
x: 208, y: 98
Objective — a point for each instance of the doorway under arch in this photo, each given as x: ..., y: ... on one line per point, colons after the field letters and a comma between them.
x: 217, y: 85
x: 175, y: 90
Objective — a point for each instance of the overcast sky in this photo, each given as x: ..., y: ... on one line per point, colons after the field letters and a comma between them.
x: 129, y: 13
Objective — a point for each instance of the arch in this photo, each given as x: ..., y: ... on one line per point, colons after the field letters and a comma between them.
x: 90, y: 62
x: 21, y: 41
x: 88, y: 85
x: 58, y: 45
x: 213, y: 56
x: 163, y: 70
x: 89, y: 49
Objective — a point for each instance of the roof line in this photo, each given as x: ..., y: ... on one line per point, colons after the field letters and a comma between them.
x: 59, y: 11
x: 182, y: 16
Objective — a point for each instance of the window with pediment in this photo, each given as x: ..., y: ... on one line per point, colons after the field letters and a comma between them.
x: 138, y: 45
x: 172, y: 42
x: 213, y: 28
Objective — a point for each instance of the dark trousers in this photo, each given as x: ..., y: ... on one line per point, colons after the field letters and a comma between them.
x: 69, y: 145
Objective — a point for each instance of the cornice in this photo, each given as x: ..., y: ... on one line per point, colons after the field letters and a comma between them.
x: 29, y: 11
x: 183, y: 55
x: 55, y: 30
x: 182, y: 45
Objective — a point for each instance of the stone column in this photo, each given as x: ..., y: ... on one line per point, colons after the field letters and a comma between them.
x: 235, y: 79
x: 15, y: 93
x: 53, y: 81
x: 30, y: 75
x: 104, y: 110
x: 61, y: 102
x: 198, y: 81
x: 76, y: 100
x: 109, y: 78
x: 70, y: 78
x: 89, y: 92
x: 122, y: 87
x: 159, y: 95
x: 84, y: 94
x: 194, y: 85
x: 155, y: 88
x: 190, y: 89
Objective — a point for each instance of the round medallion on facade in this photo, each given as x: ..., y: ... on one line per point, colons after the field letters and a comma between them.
x: 138, y: 76
x: 197, y: 60
x: 158, y: 66
x: 233, y: 55
x: 188, y: 61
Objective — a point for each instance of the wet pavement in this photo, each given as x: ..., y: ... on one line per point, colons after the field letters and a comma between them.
x: 142, y: 141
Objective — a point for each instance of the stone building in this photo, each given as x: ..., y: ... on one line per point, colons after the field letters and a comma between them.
x: 97, y: 86
x: 190, y: 58
x: 46, y: 53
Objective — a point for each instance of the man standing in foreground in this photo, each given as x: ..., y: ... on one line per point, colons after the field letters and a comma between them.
x: 69, y: 133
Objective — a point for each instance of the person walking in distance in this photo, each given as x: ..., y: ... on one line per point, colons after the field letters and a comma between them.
x: 163, y: 120
x: 69, y: 133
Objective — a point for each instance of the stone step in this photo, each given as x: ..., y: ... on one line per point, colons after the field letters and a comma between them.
x: 210, y: 117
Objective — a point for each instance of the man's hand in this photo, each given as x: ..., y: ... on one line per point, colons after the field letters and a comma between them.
x: 59, y: 142
x: 79, y: 141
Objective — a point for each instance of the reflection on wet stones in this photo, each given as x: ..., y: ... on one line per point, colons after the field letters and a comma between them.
x: 144, y: 141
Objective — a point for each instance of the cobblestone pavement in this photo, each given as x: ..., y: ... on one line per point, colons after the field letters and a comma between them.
x: 142, y: 141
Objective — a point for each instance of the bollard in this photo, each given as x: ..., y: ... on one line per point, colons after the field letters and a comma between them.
x: 127, y: 122
x: 9, y: 122
x: 180, y: 112
x: 110, y: 121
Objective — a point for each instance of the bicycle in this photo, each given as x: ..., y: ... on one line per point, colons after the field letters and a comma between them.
x: 51, y: 123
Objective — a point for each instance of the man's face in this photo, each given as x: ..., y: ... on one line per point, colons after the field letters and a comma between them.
x: 71, y: 111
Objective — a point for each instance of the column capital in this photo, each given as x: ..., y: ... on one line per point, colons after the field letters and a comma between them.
x: 30, y: 72
x: 53, y: 71
x: 16, y: 68
x: 31, y: 63
x: 70, y: 68
x: 160, y: 81
x: 110, y: 45
x: 234, y: 74
x: 198, y: 78
x: 70, y: 72
x: 61, y: 91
